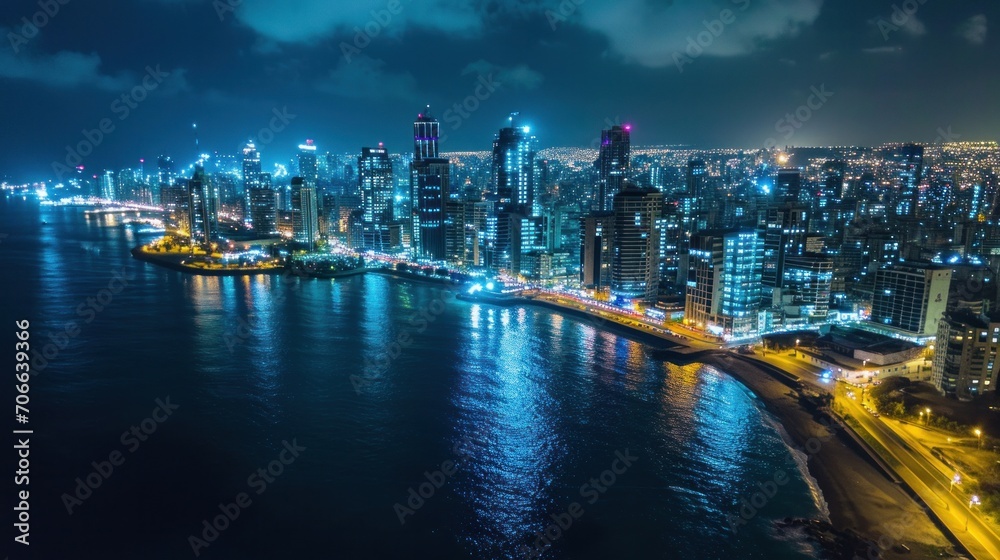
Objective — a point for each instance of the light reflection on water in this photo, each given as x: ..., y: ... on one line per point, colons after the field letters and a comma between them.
x: 545, y: 401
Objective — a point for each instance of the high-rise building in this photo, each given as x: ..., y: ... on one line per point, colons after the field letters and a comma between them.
x: 787, y: 185
x: 697, y: 173
x: 635, y: 247
x: 910, y: 298
x: 723, y: 287
x: 513, y: 167
x: 108, y: 185
x: 595, y: 250
x: 426, y: 134
x: 376, y: 184
x: 305, y: 212
x: 308, y: 167
x: 264, y: 210
x: 166, y: 173
x: 614, y: 162
x: 174, y: 200
x: 833, y: 179
x: 805, y: 292
x: 251, y: 178
x: 430, y: 192
x: 965, y: 354
x: 130, y: 187
x: 203, y: 208
x: 784, y: 230
x: 909, y: 171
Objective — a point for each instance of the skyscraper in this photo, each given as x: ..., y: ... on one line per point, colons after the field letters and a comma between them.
x: 430, y: 189
x: 251, y: 178
x: 426, y: 133
x: 305, y: 212
x: 595, y: 250
x: 376, y: 185
x: 783, y: 230
x: 697, y: 172
x: 166, y: 174
x: 909, y: 171
x: 203, y: 208
x: 614, y: 161
x: 308, y: 168
x: 787, y: 185
x: 264, y: 210
x: 513, y: 168
x: 723, y: 287
x: 635, y: 248
x: 513, y: 184
x: 108, y: 186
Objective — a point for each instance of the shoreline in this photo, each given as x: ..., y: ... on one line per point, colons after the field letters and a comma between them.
x: 861, y: 499
x: 864, y: 504
x: 164, y: 262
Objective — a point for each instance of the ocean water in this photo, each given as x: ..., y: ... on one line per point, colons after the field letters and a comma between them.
x: 422, y: 426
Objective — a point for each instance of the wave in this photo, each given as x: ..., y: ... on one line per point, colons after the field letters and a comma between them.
x: 801, y: 461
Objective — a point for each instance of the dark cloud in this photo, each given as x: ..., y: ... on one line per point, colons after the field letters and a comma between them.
x: 974, y: 30
x: 570, y: 66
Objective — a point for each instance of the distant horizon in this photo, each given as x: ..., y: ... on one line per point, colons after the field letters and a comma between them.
x: 150, y: 162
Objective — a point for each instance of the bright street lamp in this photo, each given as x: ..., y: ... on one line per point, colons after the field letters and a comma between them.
x: 957, y: 479
x: 979, y: 436
x: 928, y: 411
x: 974, y: 501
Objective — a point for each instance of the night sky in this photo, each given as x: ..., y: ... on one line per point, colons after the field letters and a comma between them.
x: 570, y: 68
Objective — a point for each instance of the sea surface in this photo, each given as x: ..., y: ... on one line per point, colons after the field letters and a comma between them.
x: 504, y: 422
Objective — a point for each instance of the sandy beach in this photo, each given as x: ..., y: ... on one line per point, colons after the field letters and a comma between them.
x: 860, y: 497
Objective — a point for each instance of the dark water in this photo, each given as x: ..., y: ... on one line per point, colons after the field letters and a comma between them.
x: 531, y: 405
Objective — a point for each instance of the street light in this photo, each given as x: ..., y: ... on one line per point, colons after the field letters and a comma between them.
x: 957, y: 479
x: 979, y: 436
x: 928, y: 411
x: 974, y: 501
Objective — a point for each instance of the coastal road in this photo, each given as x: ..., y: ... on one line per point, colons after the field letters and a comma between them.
x: 806, y: 372
x: 628, y: 320
x: 968, y: 526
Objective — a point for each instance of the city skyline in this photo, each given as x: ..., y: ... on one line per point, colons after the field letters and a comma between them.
x: 766, y: 63
x: 586, y: 278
